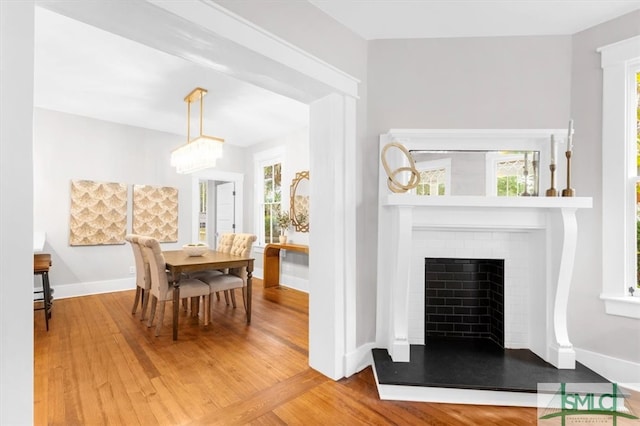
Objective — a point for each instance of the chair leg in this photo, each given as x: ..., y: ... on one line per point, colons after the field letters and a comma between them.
x: 218, y: 295
x: 152, y: 314
x: 206, y: 308
x: 195, y: 306
x: 226, y: 297
x: 160, y: 317
x: 233, y: 297
x: 145, y: 303
x: 136, y: 300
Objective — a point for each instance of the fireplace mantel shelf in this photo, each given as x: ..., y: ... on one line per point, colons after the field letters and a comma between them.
x: 480, y: 201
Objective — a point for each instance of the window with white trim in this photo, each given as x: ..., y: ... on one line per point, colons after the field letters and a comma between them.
x: 268, y: 180
x: 435, y: 177
x: 621, y: 65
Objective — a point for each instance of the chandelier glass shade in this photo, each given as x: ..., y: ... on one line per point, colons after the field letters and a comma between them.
x: 200, y: 152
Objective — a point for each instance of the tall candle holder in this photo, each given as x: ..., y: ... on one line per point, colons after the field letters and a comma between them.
x: 568, y: 191
x: 552, y: 192
x: 525, y: 174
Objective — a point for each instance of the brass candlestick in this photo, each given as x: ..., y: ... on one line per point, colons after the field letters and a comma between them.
x: 568, y: 191
x: 552, y: 192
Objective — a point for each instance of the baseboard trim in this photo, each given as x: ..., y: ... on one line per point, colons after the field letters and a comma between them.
x: 64, y: 291
x: 616, y: 370
x: 359, y: 359
x: 290, y: 281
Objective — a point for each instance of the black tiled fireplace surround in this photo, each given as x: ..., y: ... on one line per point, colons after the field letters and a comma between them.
x: 464, y: 299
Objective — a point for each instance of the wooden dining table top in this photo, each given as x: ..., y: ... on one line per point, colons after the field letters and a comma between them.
x: 179, y: 259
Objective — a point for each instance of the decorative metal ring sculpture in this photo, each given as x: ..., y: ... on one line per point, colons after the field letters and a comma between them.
x: 392, y: 183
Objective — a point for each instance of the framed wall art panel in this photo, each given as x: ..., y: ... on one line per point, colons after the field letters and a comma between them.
x: 98, y: 213
x: 155, y: 212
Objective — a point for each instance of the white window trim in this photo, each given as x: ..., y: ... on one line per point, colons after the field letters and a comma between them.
x: 620, y: 62
x: 491, y: 163
x: 443, y: 163
x: 260, y: 159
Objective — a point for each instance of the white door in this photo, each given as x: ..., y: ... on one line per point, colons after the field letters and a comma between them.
x: 225, y: 209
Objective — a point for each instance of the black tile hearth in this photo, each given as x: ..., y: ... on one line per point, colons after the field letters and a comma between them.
x: 475, y: 364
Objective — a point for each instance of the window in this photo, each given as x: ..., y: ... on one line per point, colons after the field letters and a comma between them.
x: 507, y: 175
x: 435, y: 177
x: 268, y: 177
x: 202, y: 215
x: 621, y: 65
x: 272, y: 199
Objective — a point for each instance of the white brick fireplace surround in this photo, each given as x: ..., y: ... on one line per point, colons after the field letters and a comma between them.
x: 536, y: 237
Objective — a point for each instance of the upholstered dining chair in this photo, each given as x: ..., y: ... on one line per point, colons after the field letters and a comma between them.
x: 161, y: 291
x: 224, y: 245
x: 143, y: 280
x: 236, y: 277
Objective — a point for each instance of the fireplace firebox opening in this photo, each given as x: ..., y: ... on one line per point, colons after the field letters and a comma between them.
x: 464, y: 299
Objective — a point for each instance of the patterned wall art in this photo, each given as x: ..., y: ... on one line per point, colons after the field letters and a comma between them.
x: 155, y: 212
x: 98, y: 214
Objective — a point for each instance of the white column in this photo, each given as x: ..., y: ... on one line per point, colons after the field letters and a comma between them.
x: 16, y: 214
x: 401, y: 245
x: 332, y: 233
x: 562, y: 354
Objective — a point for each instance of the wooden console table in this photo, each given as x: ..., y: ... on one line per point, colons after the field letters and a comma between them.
x: 272, y: 261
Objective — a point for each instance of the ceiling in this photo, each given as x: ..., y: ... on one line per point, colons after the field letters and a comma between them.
x: 389, y: 19
x: 80, y: 69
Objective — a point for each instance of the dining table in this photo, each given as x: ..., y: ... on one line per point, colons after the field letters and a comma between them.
x: 178, y: 262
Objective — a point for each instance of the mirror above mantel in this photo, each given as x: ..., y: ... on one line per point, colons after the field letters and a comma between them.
x: 299, y: 203
x: 470, y: 157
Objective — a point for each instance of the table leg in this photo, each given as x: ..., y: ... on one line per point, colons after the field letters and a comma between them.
x: 176, y: 308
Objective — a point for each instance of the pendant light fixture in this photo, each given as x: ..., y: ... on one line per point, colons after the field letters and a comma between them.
x: 201, y: 152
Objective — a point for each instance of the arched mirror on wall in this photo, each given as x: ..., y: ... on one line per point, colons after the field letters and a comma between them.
x: 299, y: 204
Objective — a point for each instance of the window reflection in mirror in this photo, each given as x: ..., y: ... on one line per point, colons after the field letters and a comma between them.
x: 299, y: 203
x: 481, y: 173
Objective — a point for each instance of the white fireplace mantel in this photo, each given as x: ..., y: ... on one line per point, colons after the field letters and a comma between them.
x: 544, y: 228
x: 556, y: 217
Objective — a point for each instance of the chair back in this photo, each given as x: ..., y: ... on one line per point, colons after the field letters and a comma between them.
x: 157, y: 271
x: 141, y: 273
x: 242, y: 245
x: 225, y: 243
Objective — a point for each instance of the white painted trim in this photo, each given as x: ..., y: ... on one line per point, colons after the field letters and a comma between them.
x: 620, y: 62
x: 359, y: 359
x: 624, y: 306
x: 295, y: 283
x: 613, y: 369
x: 64, y: 291
x: 233, y: 27
x: 456, y: 396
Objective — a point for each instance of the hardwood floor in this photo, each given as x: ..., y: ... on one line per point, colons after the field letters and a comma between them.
x: 98, y: 364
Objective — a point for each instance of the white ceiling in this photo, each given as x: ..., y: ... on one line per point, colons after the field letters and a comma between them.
x: 82, y: 70
x: 389, y: 19
x: 86, y: 71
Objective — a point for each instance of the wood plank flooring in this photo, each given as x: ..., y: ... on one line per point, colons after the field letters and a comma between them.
x: 99, y: 364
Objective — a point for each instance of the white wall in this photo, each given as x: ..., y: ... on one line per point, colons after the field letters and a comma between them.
x: 294, y: 267
x: 590, y: 327
x: 68, y: 147
x: 16, y: 205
